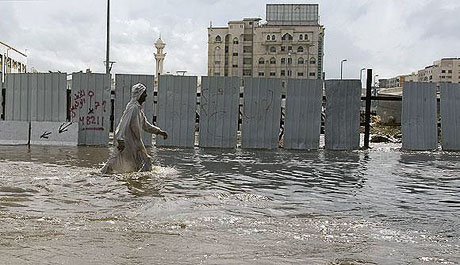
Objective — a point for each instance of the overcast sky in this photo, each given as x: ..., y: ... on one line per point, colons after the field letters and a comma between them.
x: 391, y: 36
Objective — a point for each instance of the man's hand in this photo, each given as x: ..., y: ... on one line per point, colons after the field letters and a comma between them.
x: 121, y: 146
x: 164, y: 134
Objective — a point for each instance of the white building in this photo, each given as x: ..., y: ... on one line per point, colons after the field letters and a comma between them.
x: 11, y: 60
x: 290, y: 44
x: 160, y: 56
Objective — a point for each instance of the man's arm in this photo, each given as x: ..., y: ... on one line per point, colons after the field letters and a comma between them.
x: 150, y: 128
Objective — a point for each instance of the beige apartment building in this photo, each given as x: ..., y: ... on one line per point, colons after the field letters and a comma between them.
x: 289, y: 44
x: 446, y: 70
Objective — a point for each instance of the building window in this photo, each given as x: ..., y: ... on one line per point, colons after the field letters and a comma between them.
x: 283, y: 48
x: 268, y: 37
x: 235, y: 54
x: 283, y: 72
x: 217, y: 74
x: 261, y: 74
x: 218, y: 38
x: 261, y: 61
x: 300, y: 49
x: 312, y: 60
x: 289, y: 48
x: 301, y: 37
x: 283, y: 60
x: 272, y: 49
x: 450, y: 71
x: 306, y: 37
x: 300, y: 61
x: 273, y: 37
x: 289, y: 73
x: 272, y: 60
x: 247, y: 61
x: 300, y: 74
x: 312, y: 74
x: 246, y: 72
x: 247, y: 49
x: 272, y: 73
x: 287, y: 36
x: 235, y: 66
x: 217, y: 62
x: 289, y: 60
x: 235, y: 41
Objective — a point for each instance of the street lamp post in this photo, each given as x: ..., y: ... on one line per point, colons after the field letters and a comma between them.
x: 341, y: 68
x: 107, y: 57
x: 361, y: 75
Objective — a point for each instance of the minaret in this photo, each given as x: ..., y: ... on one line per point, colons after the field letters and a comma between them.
x: 159, y: 57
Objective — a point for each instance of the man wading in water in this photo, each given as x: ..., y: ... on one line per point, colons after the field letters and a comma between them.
x: 130, y: 154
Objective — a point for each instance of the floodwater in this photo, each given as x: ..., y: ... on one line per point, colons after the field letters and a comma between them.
x: 382, y: 206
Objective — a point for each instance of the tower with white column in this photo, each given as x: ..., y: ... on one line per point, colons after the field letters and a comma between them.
x: 159, y: 57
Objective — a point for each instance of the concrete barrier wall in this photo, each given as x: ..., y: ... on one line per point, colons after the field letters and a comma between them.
x: 54, y: 133
x: 177, y: 110
x: 302, y: 125
x: 219, y: 111
x: 90, y: 107
x: 450, y: 117
x: 261, y: 113
x: 419, y: 122
x: 36, y: 97
x: 14, y: 132
x: 123, y: 85
x: 342, y: 126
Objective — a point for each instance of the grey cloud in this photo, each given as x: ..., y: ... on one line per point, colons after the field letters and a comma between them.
x: 392, y: 36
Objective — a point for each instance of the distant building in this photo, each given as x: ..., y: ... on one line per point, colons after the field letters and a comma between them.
x: 446, y: 70
x: 290, y: 44
x: 11, y: 60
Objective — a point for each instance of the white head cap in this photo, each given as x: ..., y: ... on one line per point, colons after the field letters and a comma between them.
x: 137, y: 91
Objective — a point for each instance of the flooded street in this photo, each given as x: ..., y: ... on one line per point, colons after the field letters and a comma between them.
x: 382, y: 206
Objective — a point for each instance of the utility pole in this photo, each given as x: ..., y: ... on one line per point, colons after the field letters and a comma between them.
x: 107, y: 56
x: 341, y: 68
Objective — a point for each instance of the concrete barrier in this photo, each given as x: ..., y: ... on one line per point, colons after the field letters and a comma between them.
x: 14, y: 132
x: 343, y: 101
x: 419, y: 117
x: 54, y: 133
